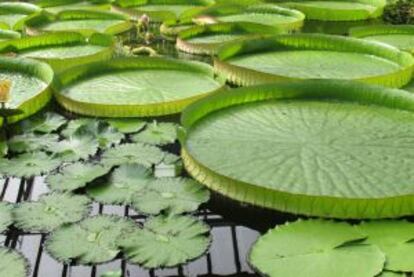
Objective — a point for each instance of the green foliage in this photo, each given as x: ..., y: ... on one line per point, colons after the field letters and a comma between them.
x: 13, y: 264
x: 6, y: 217
x: 170, y: 195
x: 74, y: 176
x: 51, y: 211
x: 28, y: 165
x: 157, y: 134
x: 127, y: 126
x: 166, y: 241
x: 399, y: 12
x: 74, y: 148
x: 30, y: 142
x: 43, y: 123
x: 90, y: 241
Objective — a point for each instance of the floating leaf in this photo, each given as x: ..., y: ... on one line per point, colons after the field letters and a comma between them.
x: 51, y: 211
x: 90, y: 241
x: 135, y: 153
x: 6, y: 218
x: 28, y: 165
x: 321, y: 248
x: 112, y: 274
x: 166, y: 241
x: 43, y: 123
x: 125, y: 184
x: 127, y: 125
x: 157, y: 134
x: 75, y: 148
x: 173, y: 195
x: 395, y: 239
x: 74, y: 176
x: 29, y: 142
x: 12, y: 263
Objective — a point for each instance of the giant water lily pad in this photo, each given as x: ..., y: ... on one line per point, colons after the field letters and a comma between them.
x: 135, y: 87
x: 13, y: 12
x: 395, y: 239
x: 321, y: 248
x: 6, y: 217
x: 207, y: 39
x: 28, y: 165
x: 12, y: 263
x: 266, y: 14
x: 338, y: 10
x: 325, y: 148
x: 54, y: 6
x: 91, y: 241
x: 86, y: 22
x: 30, y: 81
x: 401, y: 37
x: 166, y: 241
x: 74, y: 176
x: 170, y: 195
x: 8, y: 34
x: 62, y: 50
x: 124, y: 185
x: 51, y: 211
x: 313, y: 56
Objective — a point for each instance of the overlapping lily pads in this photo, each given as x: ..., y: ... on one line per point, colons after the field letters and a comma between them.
x: 313, y: 56
x: 13, y: 13
x: 290, y: 147
x: 401, y: 37
x: 62, y: 50
x: 30, y: 85
x: 133, y: 153
x: 135, y: 87
x: 51, y: 211
x: 157, y: 133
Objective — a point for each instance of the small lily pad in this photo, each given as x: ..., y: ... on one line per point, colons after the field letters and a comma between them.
x: 74, y: 176
x: 29, y: 142
x: 166, y: 241
x: 28, y: 165
x: 125, y: 184
x: 133, y: 153
x: 90, y: 241
x: 12, y: 263
x: 43, y: 123
x: 172, y: 195
x: 127, y: 125
x: 6, y: 218
x: 51, y: 211
x: 157, y: 134
x: 75, y: 148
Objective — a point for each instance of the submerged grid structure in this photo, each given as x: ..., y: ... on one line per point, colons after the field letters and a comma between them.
x: 226, y: 256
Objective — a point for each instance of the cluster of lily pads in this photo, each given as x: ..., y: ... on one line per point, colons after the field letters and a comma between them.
x: 337, y: 147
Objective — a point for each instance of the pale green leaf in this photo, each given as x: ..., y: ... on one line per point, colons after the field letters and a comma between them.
x: 43, y: 123
x: 29, y: 142
x: 12, y: 263
x: 126, y: 125
x: 157, y: 134
x: 75, y: 148
x: 6, y: 217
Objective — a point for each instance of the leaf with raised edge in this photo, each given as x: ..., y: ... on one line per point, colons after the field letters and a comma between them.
x: 157, y: 134
x: 50, y: 212
x: 321, y: 248
x: 132, y: 153
x: 125, y: 183
x: 74, y: 176
x: 28, y: 165
x: 171, y: 195
x: 395, y: 239
x: 166, y: 241
x: 43, y: 123
x: 29, y: 142
x: 12, y: 263
x: 91, y: 241
x: 6, y: 217
x: 127, y: 125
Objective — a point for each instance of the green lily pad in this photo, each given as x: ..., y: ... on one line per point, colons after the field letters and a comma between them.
x: 127, y: 126
x: 166, y: 241
x: 43, y: 123
x: 172, y: 195
x: 28, y: 165
x: 395, y: 239
x: 74, y: 176
x: 125, y: 184
x: 29, y: 142
x: 12, y: 263
x: 13, y: 12
x: 6, y: 217
x: 157, y: 134
x: 132, y: 153
x: 90, y: 241
x: 50, y: 212
x: 75, y: 148
x: 321, y: 248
